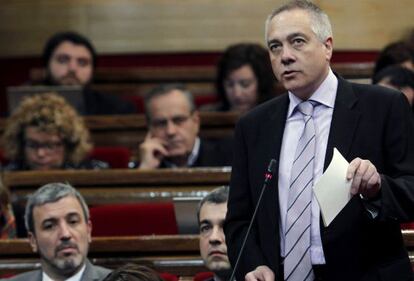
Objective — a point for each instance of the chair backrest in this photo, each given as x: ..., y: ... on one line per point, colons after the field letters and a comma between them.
x: 133, y: 219
x: 117, y: 156
x: 3, y: 159
x: 202, y: 276
x: 407, y: 226
x: 168, y: 276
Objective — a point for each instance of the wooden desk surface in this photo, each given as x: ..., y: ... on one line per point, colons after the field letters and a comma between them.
x: 122, y: 185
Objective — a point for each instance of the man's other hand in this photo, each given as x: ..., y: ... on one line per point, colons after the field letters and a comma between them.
x: 261, y: 273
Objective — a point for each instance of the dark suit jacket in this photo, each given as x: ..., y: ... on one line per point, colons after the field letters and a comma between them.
x: 215, y: 153
x: 212, y: 153
x: 369, y: 122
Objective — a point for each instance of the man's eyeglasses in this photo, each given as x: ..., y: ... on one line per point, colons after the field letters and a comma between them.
x: 178, y: 120
x: 51, y: 146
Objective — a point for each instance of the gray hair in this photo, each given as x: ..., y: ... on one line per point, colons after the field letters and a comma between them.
x: 50, y: 193
x: 216, y: 196
x: 320, y: 23
x: 164, y: 89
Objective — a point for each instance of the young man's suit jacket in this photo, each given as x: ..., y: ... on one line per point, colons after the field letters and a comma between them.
x: 369, y: 122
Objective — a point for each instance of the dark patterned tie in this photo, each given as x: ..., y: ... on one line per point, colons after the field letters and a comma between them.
x: 297, y: 263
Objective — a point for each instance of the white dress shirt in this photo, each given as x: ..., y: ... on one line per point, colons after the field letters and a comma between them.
x: 325, y: 96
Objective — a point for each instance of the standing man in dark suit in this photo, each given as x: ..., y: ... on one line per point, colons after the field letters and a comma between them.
x: 173, y: 126
x: 57, y: 221
x: 372, y: 128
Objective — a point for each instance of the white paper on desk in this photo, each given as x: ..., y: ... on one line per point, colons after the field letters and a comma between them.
x: 332, y: 190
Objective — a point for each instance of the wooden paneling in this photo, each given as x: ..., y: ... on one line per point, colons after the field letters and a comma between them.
x: 130, y: 26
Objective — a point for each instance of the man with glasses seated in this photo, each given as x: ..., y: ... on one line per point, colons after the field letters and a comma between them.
x: 46, y: 133
x: 172, y: 139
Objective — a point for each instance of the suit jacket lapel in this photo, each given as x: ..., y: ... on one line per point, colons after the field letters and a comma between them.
x: 344, y: 121
x: 274, y: 126
x: 89, y: 273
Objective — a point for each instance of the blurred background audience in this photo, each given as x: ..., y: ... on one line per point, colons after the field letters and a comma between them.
x: 70, y: 59
x: 244, y: 78
x: 173, y: 127
x: 396, y: 53
x: 399, y: 78
x: 46, y: 133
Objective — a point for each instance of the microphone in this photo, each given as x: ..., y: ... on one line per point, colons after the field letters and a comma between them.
x: 271, y: 169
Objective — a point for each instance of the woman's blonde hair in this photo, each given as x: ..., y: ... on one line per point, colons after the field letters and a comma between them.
x: 49, y: 113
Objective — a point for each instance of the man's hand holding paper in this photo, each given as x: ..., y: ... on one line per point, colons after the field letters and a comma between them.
x: 365, y: 178
x: 342, y: 180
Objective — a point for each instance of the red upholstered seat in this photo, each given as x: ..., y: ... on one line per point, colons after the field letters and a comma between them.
x: 205, y: 99
x: 3, y: 159
x: 409, y: 225
x: 202, y: 276
x: 138, y: 102
x: 117, y: 156
x: 133, y: 219
x: 168, y: 276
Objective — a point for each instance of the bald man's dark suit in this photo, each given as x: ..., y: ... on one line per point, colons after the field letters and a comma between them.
x: 369, y: 122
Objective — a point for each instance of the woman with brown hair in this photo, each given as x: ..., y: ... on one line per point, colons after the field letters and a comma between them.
x: 45, y: 133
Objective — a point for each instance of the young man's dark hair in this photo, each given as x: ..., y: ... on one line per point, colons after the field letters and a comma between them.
x: 394, y: 53
x: 64, y: 36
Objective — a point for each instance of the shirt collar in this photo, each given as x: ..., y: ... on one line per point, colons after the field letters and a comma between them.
x: 325, y: 94
x: 76, y: 277
x: 192, y: 158
x: 194, y: 153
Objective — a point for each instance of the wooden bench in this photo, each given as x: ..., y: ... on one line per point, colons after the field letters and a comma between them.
x: 121, y: 185
x: 177, y: 254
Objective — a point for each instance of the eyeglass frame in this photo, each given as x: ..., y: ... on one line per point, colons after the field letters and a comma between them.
x: 177, y: 120
x: 48, y: 146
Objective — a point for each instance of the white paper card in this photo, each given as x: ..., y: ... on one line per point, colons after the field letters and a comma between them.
x: 332, y: 190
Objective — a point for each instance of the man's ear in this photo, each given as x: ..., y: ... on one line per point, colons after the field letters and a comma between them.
x: 196, y: 117
x: 32, y: 241
x: 329, y: 48
x: 89, y: 225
